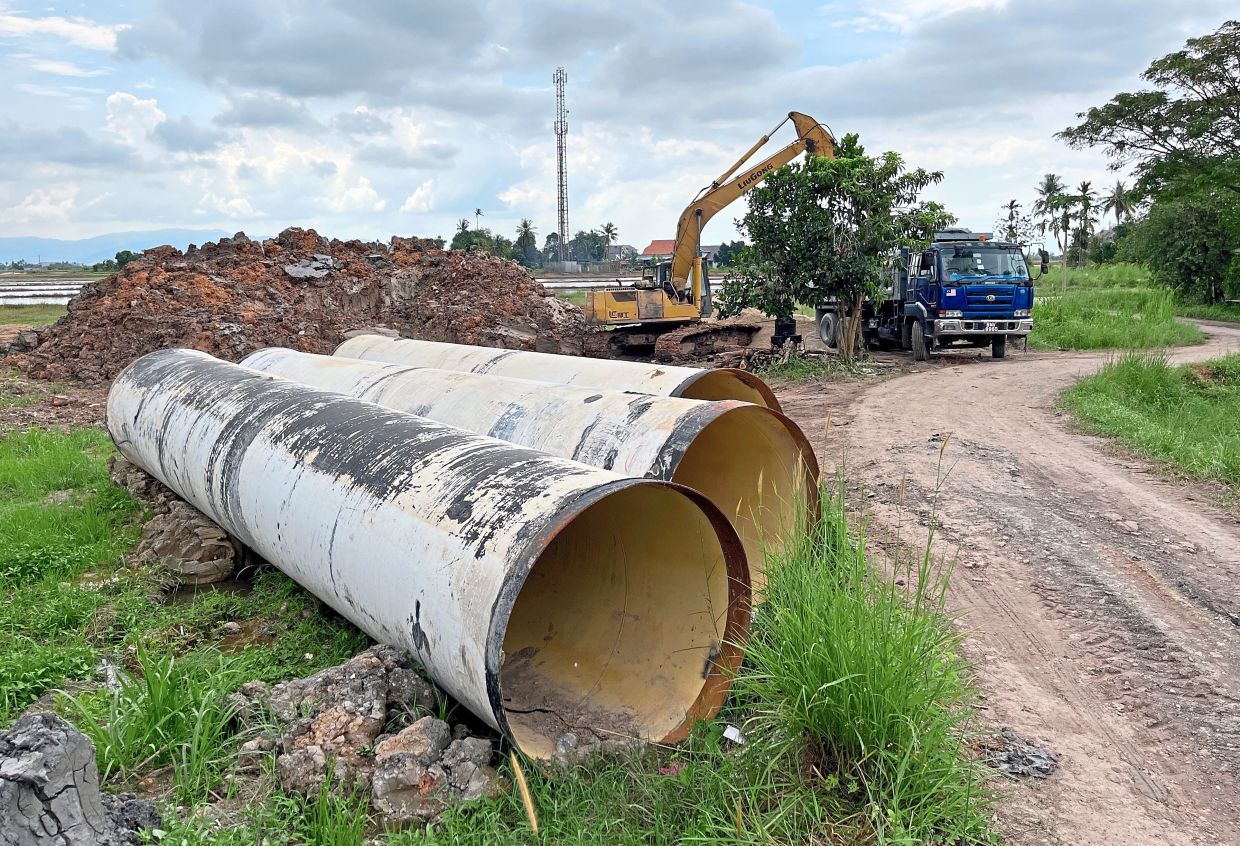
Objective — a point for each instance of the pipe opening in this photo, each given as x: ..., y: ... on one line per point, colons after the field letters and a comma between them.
x: 762, y: 476
x: 729, y: 384
x: 623, y: 624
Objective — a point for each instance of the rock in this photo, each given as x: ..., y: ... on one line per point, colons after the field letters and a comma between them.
x: 185, y: 540
x: 49, y: 790
x: 254, y: 752
x: 402, y: 788
x: 302, y: 770
x: 1130, y: 526
x: 131, y: 815
x: 1014, y: 756
x: 424, y: 740
x: 341, y: 712
x: 230, y: 629
x: 1113, y: 516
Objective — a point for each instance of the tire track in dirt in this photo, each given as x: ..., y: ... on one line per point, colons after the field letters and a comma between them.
x: 1102, y: 600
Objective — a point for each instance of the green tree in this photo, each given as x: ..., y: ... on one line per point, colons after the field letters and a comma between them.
x: 728, y: 252
x: 462, y: 225
x: 1185, y: 130
x: 124, y: 257
x: 823, y: 230
x: 610, y: 232
x: 1084, y: 202
x: 587, y: 246
x: 551, y: 248
x: 1048, y: 206
x: 525, y: 248
x: 1120, y: 201
x: 1188, y: 244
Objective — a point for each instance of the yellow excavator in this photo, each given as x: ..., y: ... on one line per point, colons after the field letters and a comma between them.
x: 678, y: 292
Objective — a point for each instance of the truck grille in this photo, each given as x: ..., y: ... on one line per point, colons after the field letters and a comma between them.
x: 977, y: 297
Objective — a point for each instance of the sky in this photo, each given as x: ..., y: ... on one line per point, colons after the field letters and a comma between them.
x: 368, y: 118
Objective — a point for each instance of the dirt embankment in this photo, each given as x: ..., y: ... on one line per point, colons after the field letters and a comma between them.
x: 297, y: 290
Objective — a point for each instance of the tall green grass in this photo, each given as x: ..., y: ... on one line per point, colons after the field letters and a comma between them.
x: 1110, y: 318
x: 1229, y: 312
x: 860, y: 676
x: 1119, y: 275
x: 1188, y: 416
x: 173, y: 713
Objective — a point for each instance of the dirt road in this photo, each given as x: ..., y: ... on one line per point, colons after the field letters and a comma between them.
x: 1102, y: 601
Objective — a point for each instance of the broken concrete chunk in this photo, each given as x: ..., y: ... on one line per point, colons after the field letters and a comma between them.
x: 49, y: 790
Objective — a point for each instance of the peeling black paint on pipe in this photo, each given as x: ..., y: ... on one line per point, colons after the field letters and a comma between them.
x: 342, y: 494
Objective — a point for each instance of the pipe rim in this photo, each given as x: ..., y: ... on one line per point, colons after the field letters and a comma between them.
x: 735, y: 632
x: 743, y: 376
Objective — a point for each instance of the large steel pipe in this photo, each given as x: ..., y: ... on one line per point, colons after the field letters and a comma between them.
x: 545, y: 595
x: 724, y: 383
x: 754, y: 463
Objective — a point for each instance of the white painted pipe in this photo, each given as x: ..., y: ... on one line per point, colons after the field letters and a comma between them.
x: 610, y: 374
x: 544, y: 595
x: 754, y: 463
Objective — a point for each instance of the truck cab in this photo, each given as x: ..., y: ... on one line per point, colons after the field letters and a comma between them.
x: 965, y: 289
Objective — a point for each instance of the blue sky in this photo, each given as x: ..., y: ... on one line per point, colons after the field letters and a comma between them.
x: 367, y: 119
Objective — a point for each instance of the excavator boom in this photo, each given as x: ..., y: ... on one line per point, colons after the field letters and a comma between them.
x: 812, y: 137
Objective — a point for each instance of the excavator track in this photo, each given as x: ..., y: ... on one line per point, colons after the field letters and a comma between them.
x: 683, y: 342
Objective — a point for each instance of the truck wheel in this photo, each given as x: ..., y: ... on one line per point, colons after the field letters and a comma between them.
x: 998, y: 347
x: 829, y: 330
x: 921, y: 352
x: 906, y: 335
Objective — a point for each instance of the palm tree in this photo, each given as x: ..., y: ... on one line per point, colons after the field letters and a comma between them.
x: 527, y: 233
x: 1012, y: 211
x: 610, y: 232
x: 462, y: 225
x: 477, y: 215
x: 1050, y: 189
x: 1121, y: 201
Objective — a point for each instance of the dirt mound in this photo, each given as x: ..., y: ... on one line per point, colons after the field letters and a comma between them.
x: 297, y: 290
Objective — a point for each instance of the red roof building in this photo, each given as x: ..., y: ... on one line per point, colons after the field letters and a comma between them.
x: 659, y: 249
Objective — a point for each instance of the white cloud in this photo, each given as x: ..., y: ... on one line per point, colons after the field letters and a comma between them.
x: 233, y: 207
x: 131, y: 118
x: 359, y: 196
x: 50, y: 205
x: 422, y: 199
x: 63, y: 68
x: 79, y: 32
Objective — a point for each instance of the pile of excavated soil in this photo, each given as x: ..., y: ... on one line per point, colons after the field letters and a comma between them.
x: 297, y: 290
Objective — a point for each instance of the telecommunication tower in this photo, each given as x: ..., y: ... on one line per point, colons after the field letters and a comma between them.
x: 560, y: 77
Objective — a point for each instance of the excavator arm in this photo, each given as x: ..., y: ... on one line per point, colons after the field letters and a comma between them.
x: 812, y: 137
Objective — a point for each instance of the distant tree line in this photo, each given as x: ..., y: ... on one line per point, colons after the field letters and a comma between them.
x: 586, y: 245
x: 1181, y: 138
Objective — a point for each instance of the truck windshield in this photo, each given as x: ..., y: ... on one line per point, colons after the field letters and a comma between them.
x: 984, y: 265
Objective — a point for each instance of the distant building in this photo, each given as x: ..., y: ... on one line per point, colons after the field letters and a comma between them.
x: 617, y: 252
x: 662, y: 251
x: 659, y: 251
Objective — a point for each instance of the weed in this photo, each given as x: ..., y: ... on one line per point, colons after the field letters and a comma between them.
x: 172, y: 712
x: 1111, y: 318
x: 1189, y: 416
x: 860, y: 677
x: 1118, y: 275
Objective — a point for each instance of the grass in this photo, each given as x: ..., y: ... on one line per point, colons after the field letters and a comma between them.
x: 1060, y: 279
x: 1188, y: 416
x: 1110, y: 318
x: 173, y: 713
x: 34, y: 315
x: 577, y: 298
x: 1227, y: 312
x: 67, y: 603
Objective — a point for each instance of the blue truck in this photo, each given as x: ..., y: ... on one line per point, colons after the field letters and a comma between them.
x: 965, y: 289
